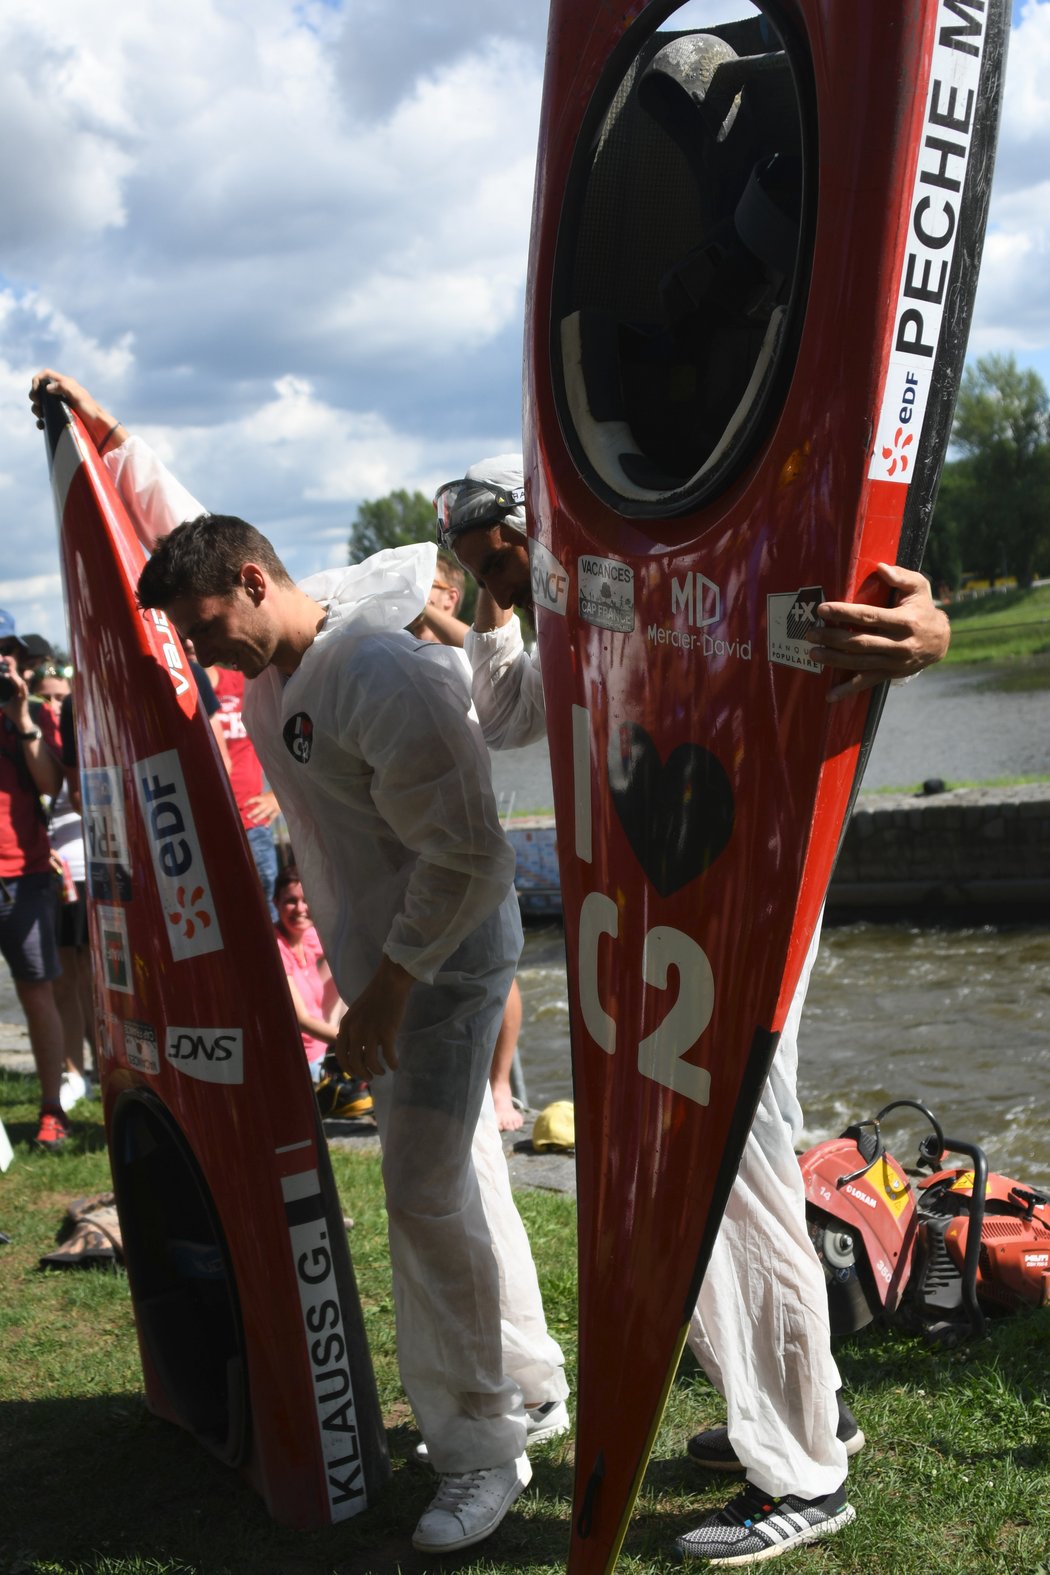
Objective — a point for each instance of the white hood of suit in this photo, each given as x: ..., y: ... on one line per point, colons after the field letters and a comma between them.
x: 384, y: 593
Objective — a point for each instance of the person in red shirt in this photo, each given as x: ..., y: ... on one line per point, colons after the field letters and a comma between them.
x: 256, y: 805
x: 30, y: 751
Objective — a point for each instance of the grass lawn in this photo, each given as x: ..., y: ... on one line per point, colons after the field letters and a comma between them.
x: 955, y: 1479
x: 1000, y: 625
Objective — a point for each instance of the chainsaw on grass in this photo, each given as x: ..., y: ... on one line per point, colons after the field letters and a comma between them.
x: 940, y: 1251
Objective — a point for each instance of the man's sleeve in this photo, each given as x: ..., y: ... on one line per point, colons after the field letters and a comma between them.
x: 155, y: 501
x: 205, y: 689
x: 506, y: 687
x: 431, y: 783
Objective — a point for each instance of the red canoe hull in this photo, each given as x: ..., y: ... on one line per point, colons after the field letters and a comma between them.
x: 701, y: 780
x: 247, y: 1313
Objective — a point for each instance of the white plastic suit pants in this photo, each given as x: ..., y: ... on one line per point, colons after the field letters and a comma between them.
x: 760, y: 1329
x: 472, y: 1339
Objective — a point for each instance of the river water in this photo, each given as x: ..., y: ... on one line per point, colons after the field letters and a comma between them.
x: 959, y: 1018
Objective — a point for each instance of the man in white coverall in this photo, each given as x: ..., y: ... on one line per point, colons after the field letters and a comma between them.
x: 365, y: 737
x: 760, y: 1327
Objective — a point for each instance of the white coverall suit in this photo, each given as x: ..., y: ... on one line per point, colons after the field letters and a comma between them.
x: 760, y: 1327
x: 385, y: 783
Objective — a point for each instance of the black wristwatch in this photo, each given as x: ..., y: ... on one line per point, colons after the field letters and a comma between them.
x: 30, y: 734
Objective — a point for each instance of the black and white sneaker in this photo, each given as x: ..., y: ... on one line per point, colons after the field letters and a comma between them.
x: 712, y: 1449
x: 755, y: 1526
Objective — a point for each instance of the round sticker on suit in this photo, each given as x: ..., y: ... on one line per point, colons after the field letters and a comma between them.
x: 299, y: 736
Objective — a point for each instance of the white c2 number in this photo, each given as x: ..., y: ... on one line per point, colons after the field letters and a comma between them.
x: 660, y: 1053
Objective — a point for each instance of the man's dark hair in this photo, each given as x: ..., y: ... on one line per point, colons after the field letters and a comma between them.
x: 205, y: 558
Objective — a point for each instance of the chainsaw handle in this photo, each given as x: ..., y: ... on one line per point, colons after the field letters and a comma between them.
x: 973, y: 1231
x: 926, y: 1150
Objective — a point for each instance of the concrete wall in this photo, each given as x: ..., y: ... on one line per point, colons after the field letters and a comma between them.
x: 973, y: 848
x: 974, y: 852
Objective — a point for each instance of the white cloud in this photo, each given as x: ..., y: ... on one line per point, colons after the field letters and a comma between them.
x: 287, y: 240
x: 1024, y: 138
x: 1012, y: 309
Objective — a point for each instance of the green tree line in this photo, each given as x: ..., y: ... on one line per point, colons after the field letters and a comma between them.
x: 992, y: 518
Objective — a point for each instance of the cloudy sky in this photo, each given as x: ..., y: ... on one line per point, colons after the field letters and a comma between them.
x: 286, y: 241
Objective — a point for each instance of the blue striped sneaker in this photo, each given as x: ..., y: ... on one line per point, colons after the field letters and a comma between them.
x: 755, y: 1526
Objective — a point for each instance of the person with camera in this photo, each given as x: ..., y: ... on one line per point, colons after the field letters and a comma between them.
x: 30, y: 768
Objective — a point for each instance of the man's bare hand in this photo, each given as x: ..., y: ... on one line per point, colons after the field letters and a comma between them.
x: 367, y: 1041
x: 879, y: 643
x: 95, y: 417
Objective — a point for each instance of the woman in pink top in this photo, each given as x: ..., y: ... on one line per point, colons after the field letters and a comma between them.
x: 310, y: 984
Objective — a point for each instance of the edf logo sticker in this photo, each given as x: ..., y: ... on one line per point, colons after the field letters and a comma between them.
x: 182, y: 880
x: 214, y: 1055
x: 299, y: 737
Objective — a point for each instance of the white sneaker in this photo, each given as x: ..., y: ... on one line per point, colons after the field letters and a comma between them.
x: 543, y: 1422
x: 72, y: 1089
x: 467, y: 1508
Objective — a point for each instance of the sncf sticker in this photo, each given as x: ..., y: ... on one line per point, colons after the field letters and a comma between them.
x: 299, y: 737
x: 550, y: 583
x: 182, y: 880
x: 213, y: 1055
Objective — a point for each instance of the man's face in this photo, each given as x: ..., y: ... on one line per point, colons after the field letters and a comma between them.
x: 227, y: 631
x: 499, y: 561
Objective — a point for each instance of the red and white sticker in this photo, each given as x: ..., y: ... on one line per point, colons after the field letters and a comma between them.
x: 211, y: 1055
x: 167, y: 647
x: 114, y: 948
x: 182, y: 879
x: 933, y: 235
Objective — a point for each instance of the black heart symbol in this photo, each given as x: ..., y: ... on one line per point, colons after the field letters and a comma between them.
x: 678, y: 816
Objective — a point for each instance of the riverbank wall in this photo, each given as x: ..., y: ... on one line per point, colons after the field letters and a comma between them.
x: 972, y: 852
x: 971, y: 855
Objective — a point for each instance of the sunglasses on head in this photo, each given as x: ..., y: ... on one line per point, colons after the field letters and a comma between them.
x: 470, y: 505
